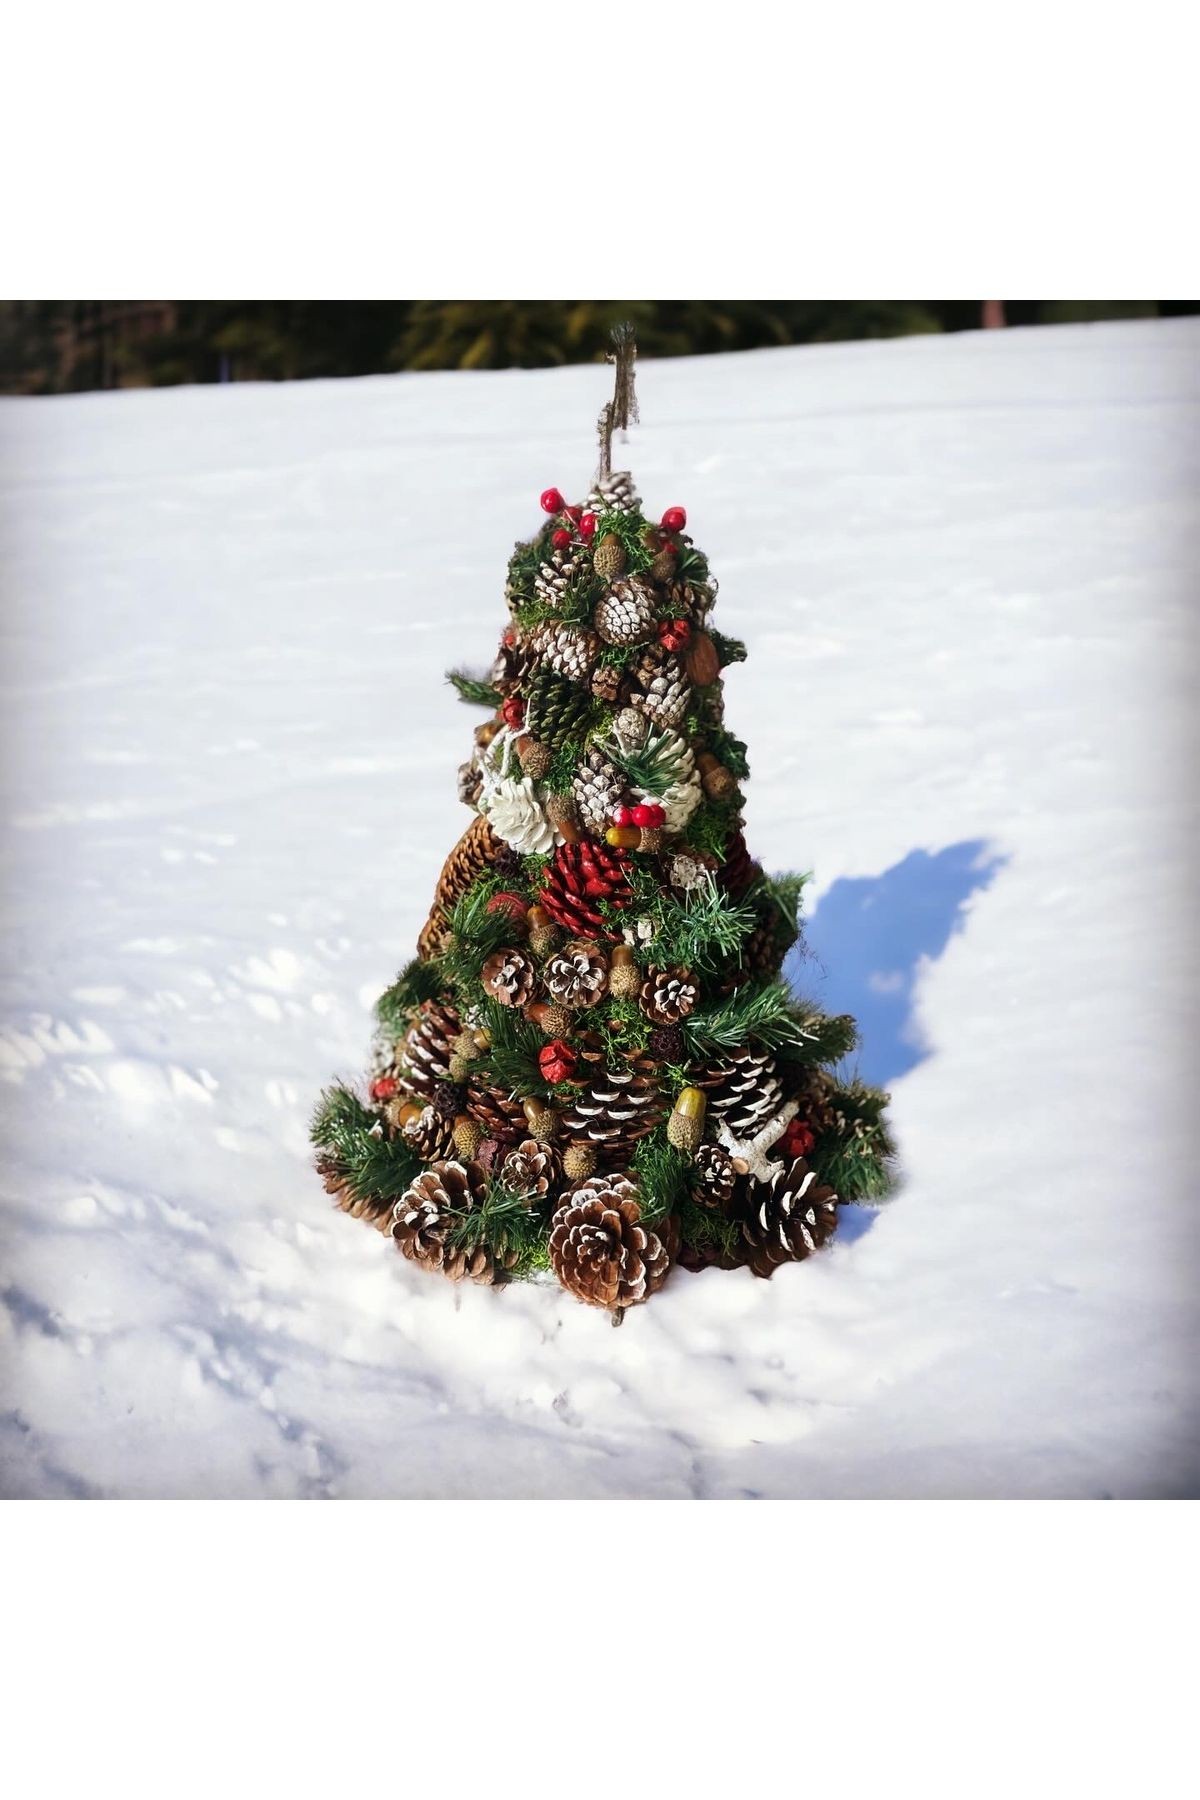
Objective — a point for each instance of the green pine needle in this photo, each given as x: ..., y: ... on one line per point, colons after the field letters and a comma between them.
x: 474, y: 691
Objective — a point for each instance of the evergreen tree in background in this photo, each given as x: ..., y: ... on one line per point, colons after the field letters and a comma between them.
x: 593, y: 1065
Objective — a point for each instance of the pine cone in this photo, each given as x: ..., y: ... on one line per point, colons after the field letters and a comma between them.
x: 738, y: 870
x: 759, y: 956
x: 509, y: 977
x: 608, y: 683
x: 568, y: 648
x: 508, y: 864
x: 426, y: 1051
x: 597, y: 791
x: 668, y: 995
x: 666, y: 1044
x: 431, y: 1134
x: 469, y: 782
x: 531, y: 1169
x: 615, y: 1107
x: 691, y: 601
x: 475, y: 852
x: 510, y: 668
x: 577, y: 876
x: 625, y: 615
x: 661, y: 688
x: 369, y: 1207
x: 555, y: 707
x: 576, y: 975
x: 424, y: 1219
x: 614, y: 493
x: 448, y: 1099
x: 744, y: 1089
x: 599, y: 1249
x: 713, y: 1176
x: 553, y: 582
x: 706, y: 1255
x: 498, y: 1110
x: 786, y: 1219
x: 815, y: 1097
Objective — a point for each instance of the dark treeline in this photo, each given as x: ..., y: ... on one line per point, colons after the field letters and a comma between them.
x: 63, y: 346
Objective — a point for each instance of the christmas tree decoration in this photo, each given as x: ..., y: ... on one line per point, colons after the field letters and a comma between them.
x: 593, y: 1070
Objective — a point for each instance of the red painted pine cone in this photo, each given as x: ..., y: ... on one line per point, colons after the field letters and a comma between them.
x: 577, y: 877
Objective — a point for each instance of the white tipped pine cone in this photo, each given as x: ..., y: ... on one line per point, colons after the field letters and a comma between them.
x: 600, y: 1250
x: 554, y: 580
x: 571, y: 649
x: 661, y: 688
x: 597, y: 790
x: 530, y: 1169
x: 576, y: 975
x: 713, y: 1177
x: 668, y: 995
x: 424, y: 1056
x: 425, y: 1217
x: 744, y: 1090
x: 509, y: 977
x: 625, y: 615
x: 614, y: 493
x: 430, y: 1134
x: 788, y: 1218
x: 675, y: 779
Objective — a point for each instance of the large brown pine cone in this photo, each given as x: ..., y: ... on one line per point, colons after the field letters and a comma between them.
x: 431, y: 1134
x: 554, y: 708
x: 668, y: 995
x: 598, y: 789
x: 426, y: 1051
x: 661, y: 688
x: 498, y: 1111
x: 787, y: 1219
x: 570, y: 649
x: 614, y: 1107
x: 509, y: 976
x: 625, y: 614
x: 475, y: 851
x: 425, y: 1217
x: 577, y: 876
x: 599, y: 1249
x: 745, y: 1089
x: 531, y: 1169
x: 739, y: 869
x: 375, y: 1211
x: 576, y: 975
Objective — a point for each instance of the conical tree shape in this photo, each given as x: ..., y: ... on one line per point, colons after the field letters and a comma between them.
x: 600, y: 972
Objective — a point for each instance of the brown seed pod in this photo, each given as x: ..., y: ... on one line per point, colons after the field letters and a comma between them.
x: 609, y: 558
x: 701, y: 661
x: 579, y: 1161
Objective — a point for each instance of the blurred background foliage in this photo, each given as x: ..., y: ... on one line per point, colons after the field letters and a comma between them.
x: 64, y: 346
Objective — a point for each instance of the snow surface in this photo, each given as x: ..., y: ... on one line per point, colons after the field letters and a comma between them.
x: 964, y: 567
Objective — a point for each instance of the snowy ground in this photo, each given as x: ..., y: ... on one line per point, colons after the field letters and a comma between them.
x: 965, y: 569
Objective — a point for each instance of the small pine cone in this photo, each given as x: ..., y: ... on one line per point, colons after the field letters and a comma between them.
x: 631, y: 728
x: 448, y: 1099
x: 614, y: 493
x: 738, y: 870
x: 668, y: 995
x: 579, y: 1161
x: 600, y: 1250
x: 554, y: 580
x: 534, y: 757
x: 625, y: 615
x: 376, y: 1212
x: 470, y: 781
x: 498, y: 1111
x: 615, y: 1107
x: 554, y: 708
x: 713, y: 1177
x: 569, y: 649
x: 665, y: 1043
x: 509, y: 977
x: 598, y: 789
x: 578, y: 876
x: 661, y: 688
x: 608, y: 683
x: 423, y: 1221
x: 576, y: 975
x: 468, y: 1135
x: 690, y: 601
x: 508, y: 862
x: 815, y: 1098
x: 608, y: 558
x: 531, y: 1170
x: 430, y: 1134
x: 425, y: 1052
x: 784, y: 1220
x: 744, y: 1089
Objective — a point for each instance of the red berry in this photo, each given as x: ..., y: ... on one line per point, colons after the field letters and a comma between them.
x: 623, y: 815
x: 383, y: 1088
x: 674, y: 519
x: 671, y: 547
x: 513, y: 711
x: 552, y: 501
x: 511, y: 905
x: 560, y: 539
x: 587, y: 526
x: 642, y: 815
x: 574, y: 512
x: 798, y: 1139
x: 510, y: 637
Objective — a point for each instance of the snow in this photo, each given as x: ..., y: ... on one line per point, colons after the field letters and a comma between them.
x: 964, y: 570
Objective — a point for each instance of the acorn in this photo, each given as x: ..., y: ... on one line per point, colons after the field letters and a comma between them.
x: 716, y: 780
x: 623, y: 837
x: 579, y: 1161
x: 535, y: 758
x: 403, y: 1112
x: 564, y: 816
x: 459, y: 1068
x: 650, y: 840
x: 700, y: 659
x: 624, y: 976
x: 550, y: 1017
x: 541, y: 1119
x: 663, y: 566
x: 486, y: 732
x: 468, y: 1135
x: 609, y: 557
x: 685, y: 1127
x: 543, y: 932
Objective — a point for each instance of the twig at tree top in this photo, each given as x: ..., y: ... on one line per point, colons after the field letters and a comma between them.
x: 622, y: 409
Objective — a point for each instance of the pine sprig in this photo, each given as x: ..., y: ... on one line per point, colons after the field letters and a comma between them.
x: 701, y: 1228
x: 473, y: 690
x: 768, y: 1015
x: 859, y: 1159
x: 376, y: 1169
x: 417, y: 981
x: 703, y: 930
x: 503, y: 1222
x: 474, y: 934
x: 729, y: 750
x: 729, y: 649
x: 661, y: 1174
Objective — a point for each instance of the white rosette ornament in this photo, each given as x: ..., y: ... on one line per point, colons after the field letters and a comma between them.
x: 512, y: 802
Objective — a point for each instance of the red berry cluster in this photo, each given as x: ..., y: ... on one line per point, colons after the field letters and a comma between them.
x: 583, y: 523
x: 798, y: 1139
x: 383, y: 1087
x: 648, y: 814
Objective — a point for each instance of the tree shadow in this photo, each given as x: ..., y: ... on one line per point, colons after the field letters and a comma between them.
x: 867, y: 942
